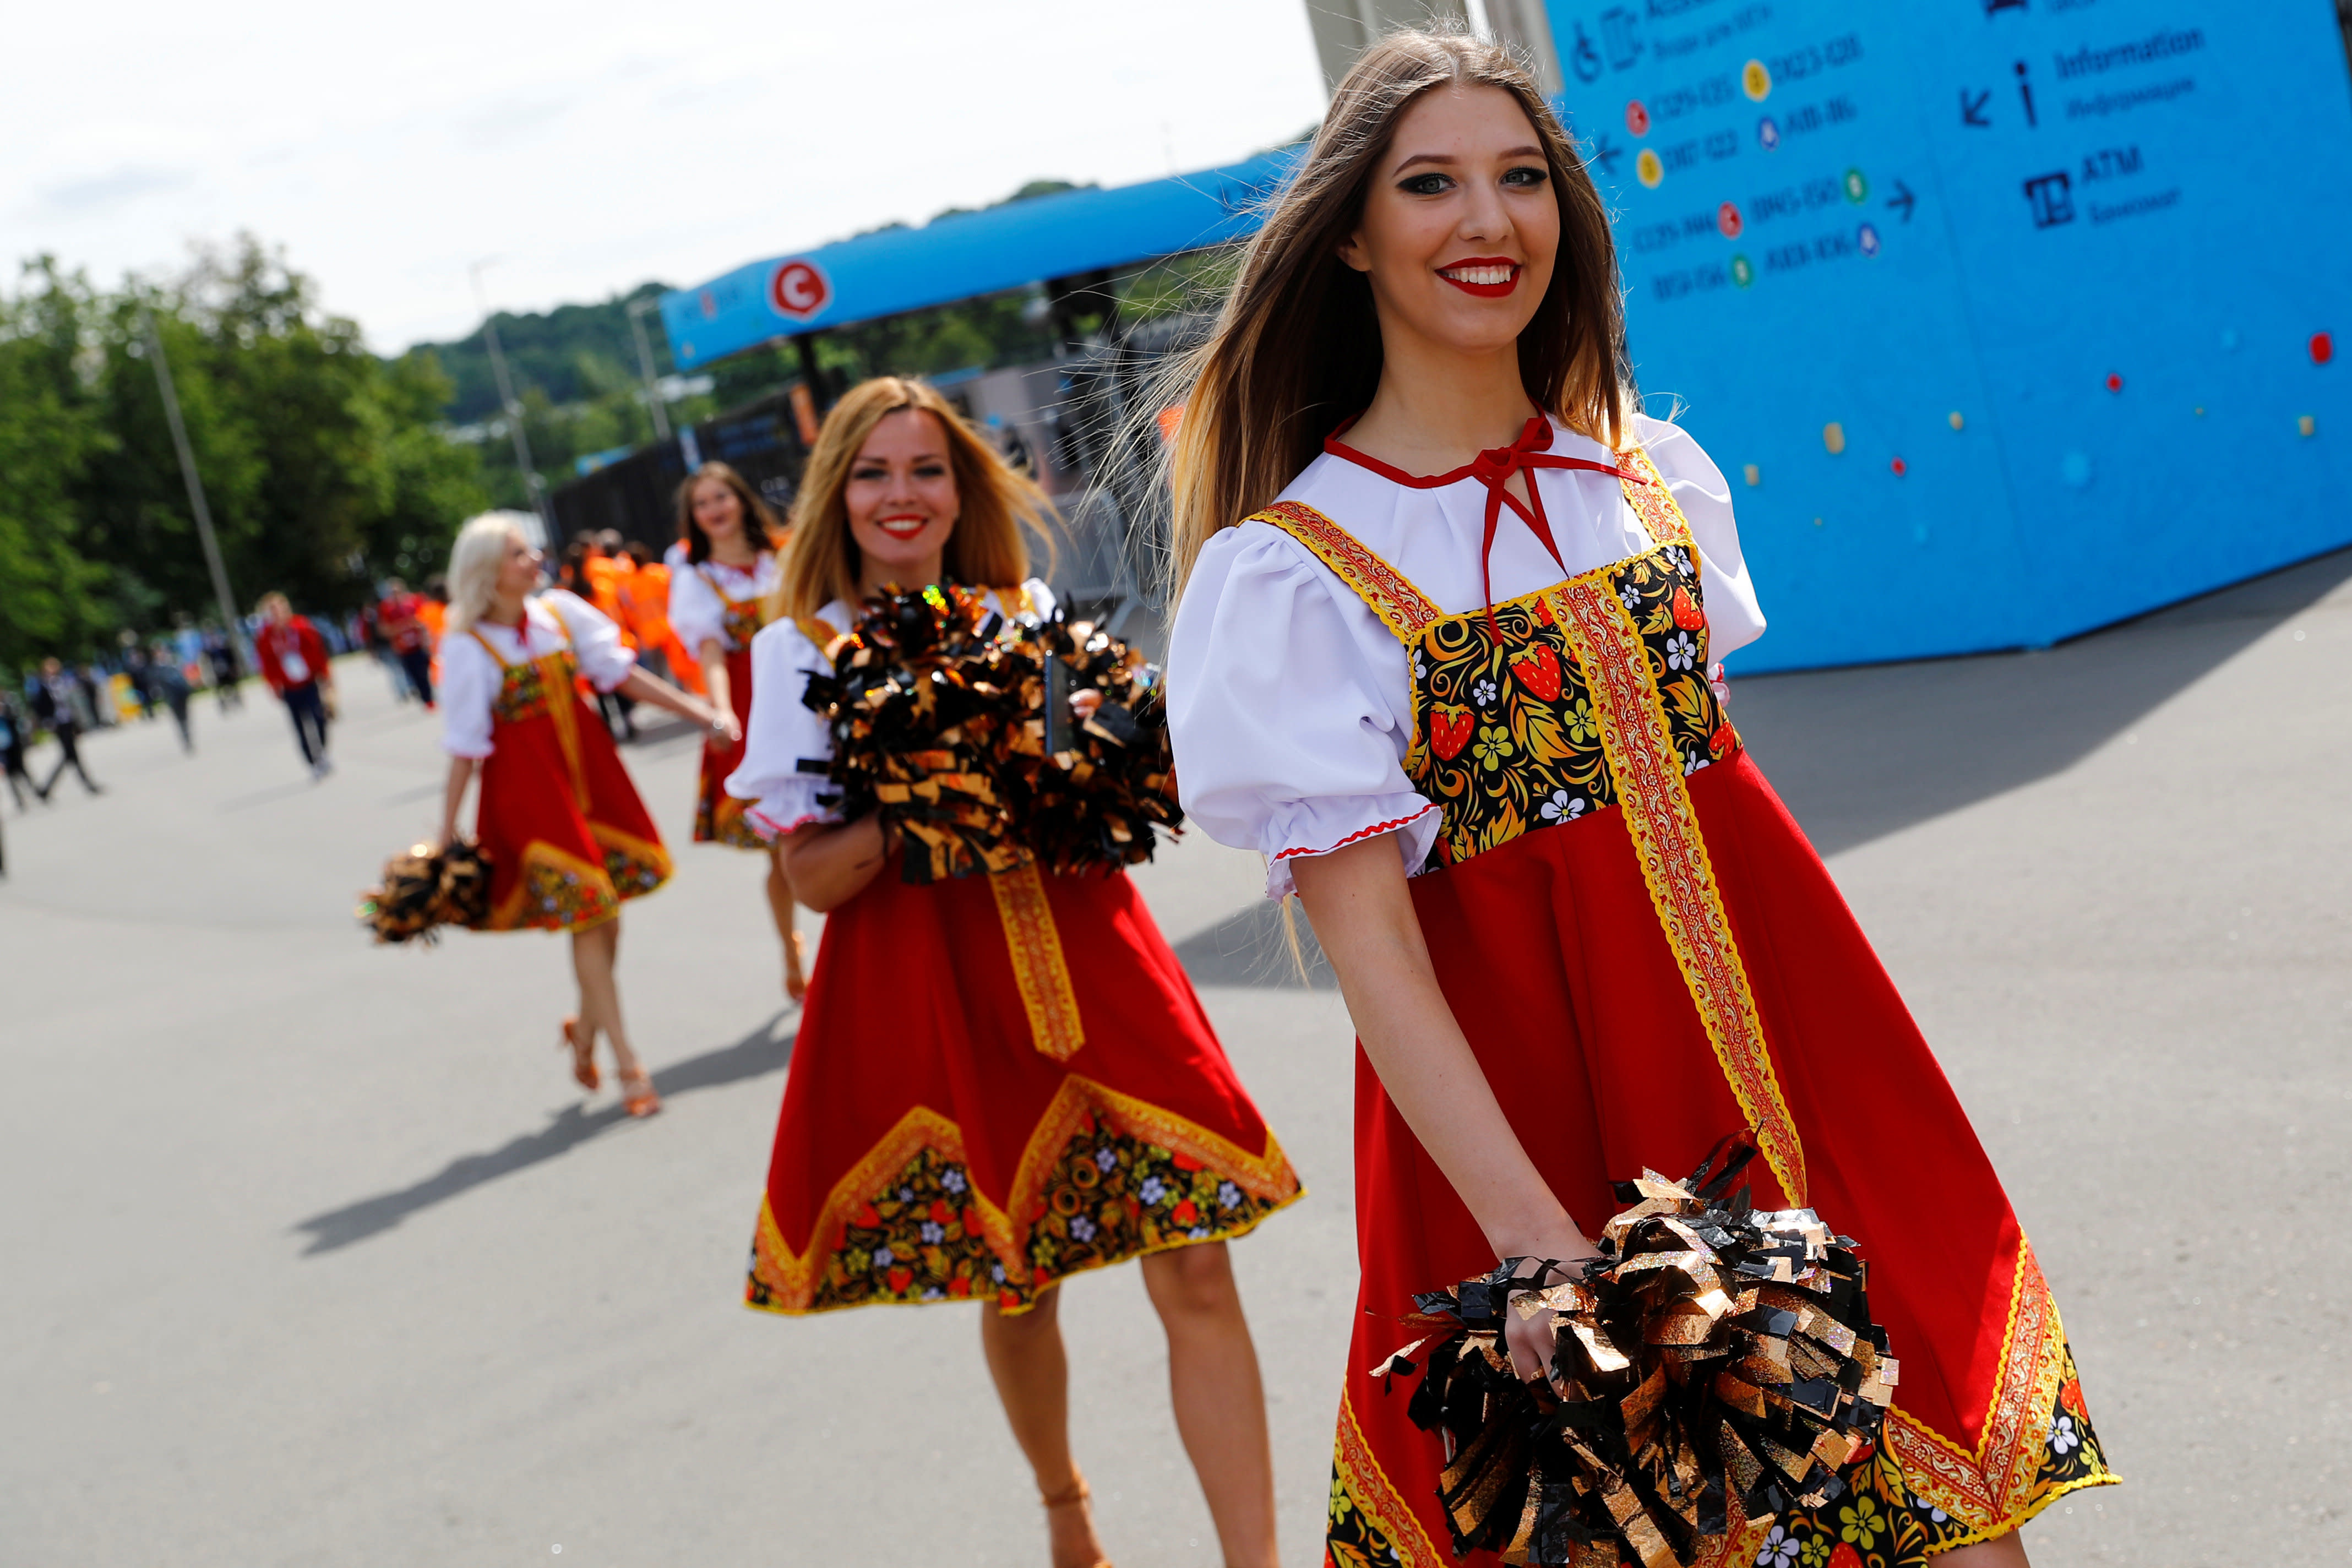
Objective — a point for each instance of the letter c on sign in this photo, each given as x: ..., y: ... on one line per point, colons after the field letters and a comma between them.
x: 799, y: 290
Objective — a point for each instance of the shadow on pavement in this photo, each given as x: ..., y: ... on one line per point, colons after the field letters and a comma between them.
x: 1863, y: 753
x: 757, y: 1054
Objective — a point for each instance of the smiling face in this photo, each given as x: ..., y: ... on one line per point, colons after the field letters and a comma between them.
x: 518, y: 570
x: 1461, y: 225
x: 901, y: 501
x: 718, y: 511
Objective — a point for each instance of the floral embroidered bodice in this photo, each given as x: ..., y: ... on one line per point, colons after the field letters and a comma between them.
x: 743, y: 619
x: 1506, y: 734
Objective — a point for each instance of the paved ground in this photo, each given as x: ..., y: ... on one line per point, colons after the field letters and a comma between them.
x: 314, y: 1258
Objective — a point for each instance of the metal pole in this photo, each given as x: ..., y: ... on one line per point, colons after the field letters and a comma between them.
x: 637, y: 310
x: 511, y: 405
x: 231, y: 626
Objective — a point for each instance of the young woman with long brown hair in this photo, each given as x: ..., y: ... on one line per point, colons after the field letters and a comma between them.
x: 722, y: 577
x: 1443, y: 658
x: 999, y: 1082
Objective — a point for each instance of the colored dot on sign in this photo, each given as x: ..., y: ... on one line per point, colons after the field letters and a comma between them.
x: 1833, y: 438
x: 1726, y: 218
x: 2322, y: 348
x: 2201, y: 411
x: 1901, y: 468
x: 1955, y: 417
x: 1755, y: 80
x: 2307, y: 425
x: 2114, y: 382
x: 1817, y: 522
x: 1753, y: 475
x: 1857, y: 189
x: 1743, y: 271
x: 1637, y: 117
x: 1649, y: 168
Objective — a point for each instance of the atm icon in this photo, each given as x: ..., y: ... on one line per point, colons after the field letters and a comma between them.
x: 2052, y: 198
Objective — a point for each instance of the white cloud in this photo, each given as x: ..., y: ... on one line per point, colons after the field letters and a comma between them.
x: 593, y: 147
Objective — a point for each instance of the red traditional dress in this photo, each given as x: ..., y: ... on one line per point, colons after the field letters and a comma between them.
x: 567, y: 837
x: 999, y: 1082
x: 1636, y: 938
x: 711, y: 600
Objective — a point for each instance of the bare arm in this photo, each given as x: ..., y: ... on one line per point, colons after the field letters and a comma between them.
x: 453, y: 799
x: 713, y: 659
x: 651, y: 688
x: 829, y: 863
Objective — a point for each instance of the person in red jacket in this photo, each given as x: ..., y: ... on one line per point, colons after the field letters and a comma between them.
x: 401, y: 616
x: 293, y: 659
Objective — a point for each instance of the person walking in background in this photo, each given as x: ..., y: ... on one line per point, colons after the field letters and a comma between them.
x: 220, y: 657
x: 644, y: 609
x: 718, y: 602
x: 433, y: 614
x: 13, y: 737
x: 565, y: 834
x: 139, y: 670
x: 165, y: 678
x: 400, y: 619
x: 578, y: 576
x: 293, y: 659
x: 54, y: 697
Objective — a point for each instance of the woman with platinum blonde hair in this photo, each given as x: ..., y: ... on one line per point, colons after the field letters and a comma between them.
x: 1444, y: 660
x: 567, y: 839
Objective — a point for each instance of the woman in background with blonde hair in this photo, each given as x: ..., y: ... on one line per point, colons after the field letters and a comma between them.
x: 722, y: 574
x: 566, y: 836
x: 999, y: 1082
x: 1577, y: 932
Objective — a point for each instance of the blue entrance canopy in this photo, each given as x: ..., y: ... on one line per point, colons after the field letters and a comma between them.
x: 969, y: 254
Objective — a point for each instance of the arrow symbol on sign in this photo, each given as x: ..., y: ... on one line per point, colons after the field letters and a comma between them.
x: 1606, y: 152
x: 1972, y: 110
x: 1902, y: 201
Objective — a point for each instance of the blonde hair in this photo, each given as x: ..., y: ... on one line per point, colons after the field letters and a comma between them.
x: 994, y: 504
x: 474, y: 562
x: 1297, y: 345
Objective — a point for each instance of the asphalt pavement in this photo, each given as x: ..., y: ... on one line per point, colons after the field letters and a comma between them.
x: 313, y: 1255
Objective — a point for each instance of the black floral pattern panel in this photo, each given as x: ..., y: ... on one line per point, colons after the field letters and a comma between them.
x: 1506, y: 739
x: 1109, y: 1196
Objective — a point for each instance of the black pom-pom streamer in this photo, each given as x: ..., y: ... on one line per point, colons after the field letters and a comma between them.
x: 957, y: 725
x: 1716, y: 1365
x: 423, y: 891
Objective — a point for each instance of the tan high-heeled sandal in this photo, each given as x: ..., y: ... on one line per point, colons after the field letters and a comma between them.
x: 796, y: 971
x: 583, y: 1057
x: 1073, y: 1496
x: 637, y: 1096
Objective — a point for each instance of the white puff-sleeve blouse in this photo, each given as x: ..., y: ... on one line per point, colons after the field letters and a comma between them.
x: 1290, y: 703
x: 784, y: 732
x: 697, y: 612
x: 471, y: 674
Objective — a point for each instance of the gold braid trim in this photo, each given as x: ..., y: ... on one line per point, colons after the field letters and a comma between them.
x: 791, y: 1278
x: 1404, y: 609
x: 1992, y: 1490
x: 1357, y: 1472
x: 1674, y: 864
x: 1038, y: 967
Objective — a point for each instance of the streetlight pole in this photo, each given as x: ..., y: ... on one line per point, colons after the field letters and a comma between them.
x: 231, y: 626
x: 637, y: 308
x: 509, y: 403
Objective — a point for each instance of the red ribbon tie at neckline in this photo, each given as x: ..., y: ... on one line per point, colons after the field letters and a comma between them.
x: 1494, y: 468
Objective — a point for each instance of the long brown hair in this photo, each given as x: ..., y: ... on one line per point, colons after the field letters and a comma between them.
x: 760, y: 528
x: 1296, y: 346
x: 985, y: 551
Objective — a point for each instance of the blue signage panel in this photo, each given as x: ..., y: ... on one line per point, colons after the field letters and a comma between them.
x: 2005, y: 319
x: 967, y: 255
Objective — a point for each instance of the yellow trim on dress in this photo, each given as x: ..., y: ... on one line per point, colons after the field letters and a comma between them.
x: 1039, y: 969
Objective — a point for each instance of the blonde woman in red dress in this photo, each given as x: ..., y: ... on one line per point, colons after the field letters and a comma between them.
x: 1443, y: 658
x: 567, y: 837
x: 999, y: 1082
x: 723, y: 574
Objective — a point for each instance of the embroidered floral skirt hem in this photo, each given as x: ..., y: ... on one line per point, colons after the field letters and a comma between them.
x: 1555, y: 962
x: 565, y: 849
x: 718, y: 817
x: 1000, y: 1082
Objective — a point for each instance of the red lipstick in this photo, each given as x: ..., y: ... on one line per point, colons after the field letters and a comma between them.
x: 1486, y: 277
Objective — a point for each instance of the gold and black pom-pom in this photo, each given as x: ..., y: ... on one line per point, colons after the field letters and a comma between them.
x: 1716, y: 1365
x: 423, y: 891
x: 957, y: 725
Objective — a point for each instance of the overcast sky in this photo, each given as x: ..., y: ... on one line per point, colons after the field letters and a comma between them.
x: 590, y: 147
